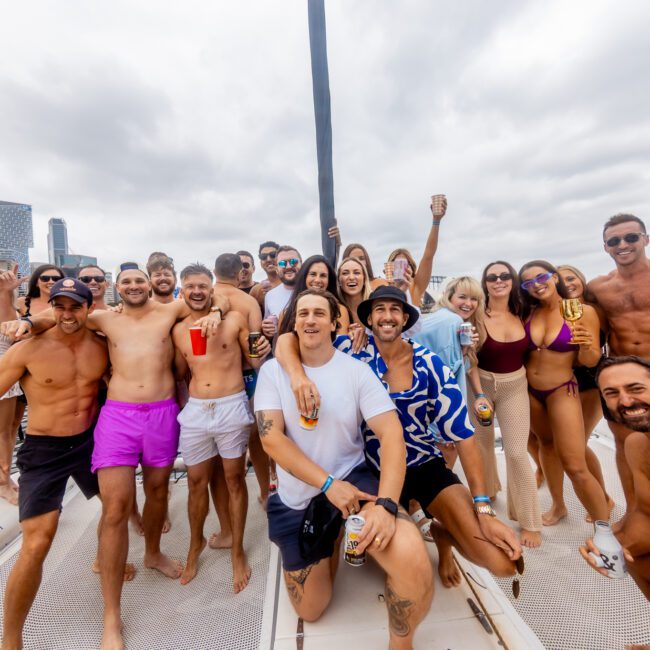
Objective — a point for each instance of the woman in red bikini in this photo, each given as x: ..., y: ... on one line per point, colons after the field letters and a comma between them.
x: 556, y: 414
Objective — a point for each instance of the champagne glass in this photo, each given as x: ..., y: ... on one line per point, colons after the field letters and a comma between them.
x: 571, y: 310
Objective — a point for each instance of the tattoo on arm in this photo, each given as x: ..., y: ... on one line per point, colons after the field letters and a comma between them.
x: 263, y: 425
x: 295, y: 581
x: 398, y: 612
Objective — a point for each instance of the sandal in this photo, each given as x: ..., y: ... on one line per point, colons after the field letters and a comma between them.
x: 424, y: 524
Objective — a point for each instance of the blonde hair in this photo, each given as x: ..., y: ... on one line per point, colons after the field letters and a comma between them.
x: 579, y: 274
x: 366, y: 282
x: 409, y: 258
x: 473, y: 289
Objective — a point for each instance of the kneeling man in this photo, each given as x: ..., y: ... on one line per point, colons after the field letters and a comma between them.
x: 324, y: 471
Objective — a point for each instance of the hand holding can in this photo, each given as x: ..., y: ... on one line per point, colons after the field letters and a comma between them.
x: 253, y: 339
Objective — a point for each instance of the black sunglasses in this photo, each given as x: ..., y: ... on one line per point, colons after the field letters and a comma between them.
x: 630, y: 238
x: 265, y: 256
x: 246, y: 265
x: 50, y: 278
x: 504, y: 277
x: 87, y: 279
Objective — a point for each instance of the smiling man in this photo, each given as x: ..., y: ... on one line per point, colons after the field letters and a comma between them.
x: 624, y: 383
x: 60, y: 372
x: 323, y: 476
x: 162, y: 274
x: 622, y: 299
x: 95, y: 279
x: 288, y: 265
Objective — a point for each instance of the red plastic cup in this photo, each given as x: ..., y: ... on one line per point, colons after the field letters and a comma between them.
x: 199, y: 342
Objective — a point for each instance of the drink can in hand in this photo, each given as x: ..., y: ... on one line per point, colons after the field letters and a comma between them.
x: 465, y: 331
x: 309, y: 422
x: 253, y: 340
x: 484, y: 415
x: 199, y: 342
x: 353, y: 527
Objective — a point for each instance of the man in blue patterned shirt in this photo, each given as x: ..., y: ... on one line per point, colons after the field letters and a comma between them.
x: 424, y: 391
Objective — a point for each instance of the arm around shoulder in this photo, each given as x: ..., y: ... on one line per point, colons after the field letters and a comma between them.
x: 12, y: 367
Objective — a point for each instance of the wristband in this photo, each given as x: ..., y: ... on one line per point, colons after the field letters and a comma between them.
x: 436, y: 223
x: 482, y: 499
x: 326, y: 486
x: 27, y: 319
x: 477, y: 395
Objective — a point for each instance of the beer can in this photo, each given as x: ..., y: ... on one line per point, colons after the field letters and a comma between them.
x: 485, y: 415
x: 253, y: 339
x: 309, y: 422
x: 353, y: 527
x: 465, y: 333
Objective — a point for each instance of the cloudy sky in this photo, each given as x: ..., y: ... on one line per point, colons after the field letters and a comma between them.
x: 188, y: 127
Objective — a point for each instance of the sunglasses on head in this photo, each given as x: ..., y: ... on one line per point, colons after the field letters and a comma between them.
x: 630, y: 238
x: 87, y: 279
x: 246, y: 265
x: 49, y: 278
x: 269, y: 256
x: 504, y: 277
x: 542, y: 278
x: 291, y: 263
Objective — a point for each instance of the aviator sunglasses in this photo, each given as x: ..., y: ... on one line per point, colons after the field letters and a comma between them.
x: 291, y: 263
x: 269, y: 256
x: 630, y: 238
x: 87, y: 279
x: 493, y: 277
x: 542, y: 278
x: 50, y: 278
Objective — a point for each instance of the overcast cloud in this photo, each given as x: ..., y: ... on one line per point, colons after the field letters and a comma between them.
x: 188, y: 127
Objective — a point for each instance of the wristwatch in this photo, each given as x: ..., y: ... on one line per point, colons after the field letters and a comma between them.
x: 388, y: 504
x: 214, y: 309
x: 484, y: 509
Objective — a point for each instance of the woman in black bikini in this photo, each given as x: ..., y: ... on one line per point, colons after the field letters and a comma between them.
x: 556, y: 414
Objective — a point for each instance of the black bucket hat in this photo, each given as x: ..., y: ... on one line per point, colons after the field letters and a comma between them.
x: 386, y: 292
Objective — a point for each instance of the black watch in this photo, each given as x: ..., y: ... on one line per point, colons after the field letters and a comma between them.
x: 388, y: 504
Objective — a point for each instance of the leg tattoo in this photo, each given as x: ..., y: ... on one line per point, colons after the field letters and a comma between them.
x: 398, y: 612
x: 295, y: 581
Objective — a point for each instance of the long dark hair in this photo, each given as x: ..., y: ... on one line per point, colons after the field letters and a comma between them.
x: 368, y: 265
x: 32, y: 286
x: 528, y: 301
x: 289, y: 317
x: 515, y: 304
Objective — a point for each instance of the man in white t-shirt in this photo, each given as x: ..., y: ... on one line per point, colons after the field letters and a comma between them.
x: 323, y: 477
x: 288, y: 263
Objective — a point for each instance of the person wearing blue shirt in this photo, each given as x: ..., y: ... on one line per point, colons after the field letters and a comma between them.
x: 424, y: 391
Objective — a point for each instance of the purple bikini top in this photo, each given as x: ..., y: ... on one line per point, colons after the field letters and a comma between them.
x: 560, y: 344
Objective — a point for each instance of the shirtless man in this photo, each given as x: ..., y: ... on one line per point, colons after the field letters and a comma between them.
x: 227, y: 270
x: 216, y: 420
x: 160, y: 268
x: 246, y: 282
x: 95, y: 278
x: 60, y: 372
x: 624, y: 383
x: 137, y: 425
x: 622, y: 299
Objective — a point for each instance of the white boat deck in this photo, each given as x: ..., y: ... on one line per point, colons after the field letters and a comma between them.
x: 562, y: 600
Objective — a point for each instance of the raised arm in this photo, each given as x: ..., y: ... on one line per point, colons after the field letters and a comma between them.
x: 9, y: 282
x: 12, y: 368
x: 425, y: 267
x: 287, y: 352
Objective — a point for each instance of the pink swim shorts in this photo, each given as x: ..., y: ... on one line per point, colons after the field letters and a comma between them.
x: 128, y: 434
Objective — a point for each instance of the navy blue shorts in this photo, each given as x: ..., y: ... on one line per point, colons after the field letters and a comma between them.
x: 250, y: 381
x: 285, y: 522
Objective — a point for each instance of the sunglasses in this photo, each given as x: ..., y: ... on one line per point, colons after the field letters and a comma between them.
x: 630, y: 238
x: 267, y: 256
x: 493, y: 277
x: 87, y: 279
x: 50, y: 278
x: 542, y: 278
x: 290, y: 263
x: 246, y: 265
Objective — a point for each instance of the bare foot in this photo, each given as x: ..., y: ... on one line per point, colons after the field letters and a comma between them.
x: 219, y: 540
x: 539, y: 477
x: 166, y: 565
x: 530, y: 538
x: 610, y: 504
x: 9, y: 494
x: 136, y: 522
x: 112, y: 636
x: 241, y: 571
x: 167, y: 526
x: 192, y: 564
x: 554, y: 515
x: 447, y: 569
x: 129, y: 570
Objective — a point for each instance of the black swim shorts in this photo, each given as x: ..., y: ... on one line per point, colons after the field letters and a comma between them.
x: 46, y: 463
x: 424, y: 482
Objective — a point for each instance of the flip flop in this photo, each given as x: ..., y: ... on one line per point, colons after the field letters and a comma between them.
x: 424, y: 524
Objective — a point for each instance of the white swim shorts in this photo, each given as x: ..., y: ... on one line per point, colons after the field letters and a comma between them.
x: 215, y: 427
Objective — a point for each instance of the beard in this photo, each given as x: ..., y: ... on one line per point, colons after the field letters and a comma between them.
x: 289, y: 282
x: 134, y: 301
x: 163, y: 292
x: 636, y: 423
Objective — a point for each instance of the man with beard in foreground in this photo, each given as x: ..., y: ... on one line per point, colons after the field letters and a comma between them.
x: 624, y: 383
x: 288, y: 264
